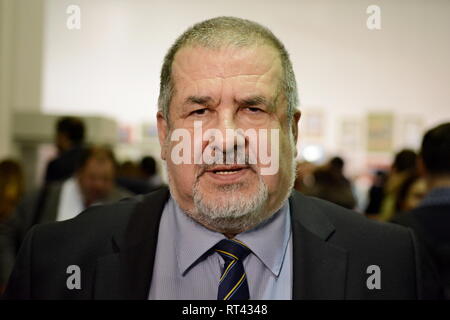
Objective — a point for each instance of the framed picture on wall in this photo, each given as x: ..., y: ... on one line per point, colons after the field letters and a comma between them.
x: 380, y: 132
x: 350, y: 134
x: 312, y: 124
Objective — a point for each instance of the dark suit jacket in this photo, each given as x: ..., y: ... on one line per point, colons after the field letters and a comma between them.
x: 432, y: 225
x: 114, y: 246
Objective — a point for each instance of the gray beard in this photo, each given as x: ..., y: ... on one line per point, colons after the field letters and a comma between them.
x: 231, y: 212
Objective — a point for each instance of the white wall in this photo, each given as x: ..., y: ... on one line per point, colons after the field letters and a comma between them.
x: 5, y: 77
x: 111, y: 66
x: 21, y: 25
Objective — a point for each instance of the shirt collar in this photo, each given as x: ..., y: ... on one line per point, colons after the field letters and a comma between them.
x: 267, y: 241
x: 192, y: 240
x: 71, y: 202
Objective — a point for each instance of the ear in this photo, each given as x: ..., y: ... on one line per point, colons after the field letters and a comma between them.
x: 163, y: 131
x: 294, y: 127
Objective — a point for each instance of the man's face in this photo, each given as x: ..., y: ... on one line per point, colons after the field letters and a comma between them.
x: 229, y: 88
x: 96, y: 180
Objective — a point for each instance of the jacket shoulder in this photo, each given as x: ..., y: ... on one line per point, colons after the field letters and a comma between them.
x: 350, y: 223
x: 350, y: 219
x: 93, y: 226
x: 364, y: 239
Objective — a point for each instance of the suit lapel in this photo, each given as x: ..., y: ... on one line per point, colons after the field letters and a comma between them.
x: 137, y: 257
x: 319, y: 266
x: 127, y: 272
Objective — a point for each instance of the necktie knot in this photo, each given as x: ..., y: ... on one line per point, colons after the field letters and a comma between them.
x: 231, y: 249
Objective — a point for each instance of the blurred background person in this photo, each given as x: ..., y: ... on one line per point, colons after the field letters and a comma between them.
x: 11, y: 191
x: 376, y: 193
x: 139, y: 179
x: 405, y: 162
x: 431, y: 219
x: 92, y: 183
x: 149, y: 172
x: 331, y: 184
x: 410, y: 193
x: 128, y: 169
x: 69, y: 140
x: 95, y: 178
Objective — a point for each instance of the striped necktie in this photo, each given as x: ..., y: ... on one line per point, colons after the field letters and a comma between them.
x: 233, y: 282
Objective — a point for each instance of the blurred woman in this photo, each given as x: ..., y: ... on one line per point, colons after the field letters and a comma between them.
x: 405, y: 162
x: 411, y: 192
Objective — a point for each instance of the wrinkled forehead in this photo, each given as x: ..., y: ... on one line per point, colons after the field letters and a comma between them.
x: 261, y: 62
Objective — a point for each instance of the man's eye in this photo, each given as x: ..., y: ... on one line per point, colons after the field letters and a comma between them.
x: 199, y: 112
x: 253, y: 109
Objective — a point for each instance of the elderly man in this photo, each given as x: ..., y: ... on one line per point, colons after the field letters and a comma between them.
x: 231, y: 226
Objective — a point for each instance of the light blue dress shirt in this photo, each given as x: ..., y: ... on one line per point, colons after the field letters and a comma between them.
x: 185, y: 267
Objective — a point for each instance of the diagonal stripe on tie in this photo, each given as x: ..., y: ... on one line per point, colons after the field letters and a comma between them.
x: 232, y: 263
x: 235, y: 289
x: 233, y: 281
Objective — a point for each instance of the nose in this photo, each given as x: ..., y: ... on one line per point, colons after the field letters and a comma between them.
x: 227, y: 139
x: 225, y: 119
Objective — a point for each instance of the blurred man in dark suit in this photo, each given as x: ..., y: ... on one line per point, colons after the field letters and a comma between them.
x: 69, y: 139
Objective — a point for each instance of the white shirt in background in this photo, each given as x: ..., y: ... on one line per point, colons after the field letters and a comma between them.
x: 71, y: 200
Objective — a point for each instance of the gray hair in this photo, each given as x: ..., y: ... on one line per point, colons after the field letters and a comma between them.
x: 219, y: 32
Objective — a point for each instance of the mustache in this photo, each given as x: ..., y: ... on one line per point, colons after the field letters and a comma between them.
x: 225, y: 160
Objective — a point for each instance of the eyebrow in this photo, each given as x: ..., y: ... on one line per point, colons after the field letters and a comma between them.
x: 201, y: 100
x: 255, y: 101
